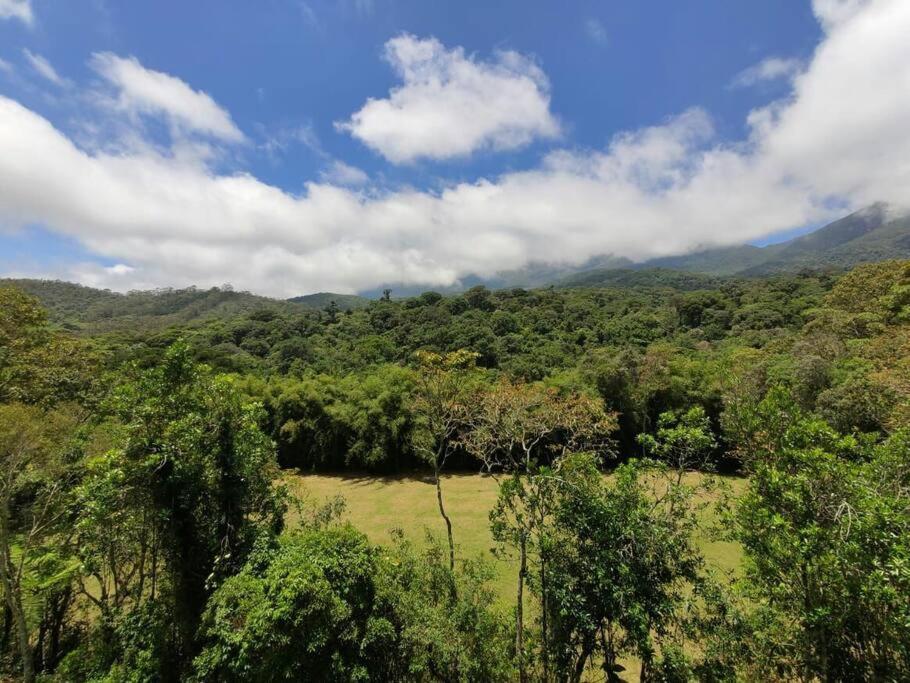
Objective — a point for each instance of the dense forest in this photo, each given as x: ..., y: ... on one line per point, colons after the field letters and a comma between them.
x: 146, y: 439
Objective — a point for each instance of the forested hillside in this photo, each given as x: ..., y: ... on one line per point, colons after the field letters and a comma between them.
x: 92, y: 310
x: 148, y: 533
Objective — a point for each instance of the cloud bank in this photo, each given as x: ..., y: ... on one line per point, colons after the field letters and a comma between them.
x: 838, y: 141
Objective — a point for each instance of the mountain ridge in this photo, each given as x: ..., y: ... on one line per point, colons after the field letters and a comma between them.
x: 871, y: 234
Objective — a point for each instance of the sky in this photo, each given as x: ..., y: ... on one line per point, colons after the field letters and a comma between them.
x: 290, y: 146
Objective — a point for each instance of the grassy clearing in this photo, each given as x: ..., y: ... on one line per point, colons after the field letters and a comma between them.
x: 376, y: 505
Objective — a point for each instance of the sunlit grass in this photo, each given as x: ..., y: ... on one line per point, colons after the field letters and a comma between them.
x: 377, y: 505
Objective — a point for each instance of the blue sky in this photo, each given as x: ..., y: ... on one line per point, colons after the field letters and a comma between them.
x: 615, y: 139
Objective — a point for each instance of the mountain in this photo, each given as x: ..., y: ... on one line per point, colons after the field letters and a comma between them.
x: 81, y: 307
x: 531, y: 276
x: 641, y: 277
x: 872, y: 234
x: 721, y: 261
x: 841, y: 244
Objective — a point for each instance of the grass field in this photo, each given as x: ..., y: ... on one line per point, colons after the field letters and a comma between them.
x: 376, y: 505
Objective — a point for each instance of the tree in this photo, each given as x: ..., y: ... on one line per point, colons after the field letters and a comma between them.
x: 621, y: 567
x: 331, y: 310
x: 33, y: 482
x: 39, y: 371
x: 300, y: 609
x: 188, y: 489
x: 440, y: 634
x: 442, y: 403
x: 824, y: 526
x: 38, y: 366
x: 684, y: 440
x: 516, y: 427
x: 321, y: 603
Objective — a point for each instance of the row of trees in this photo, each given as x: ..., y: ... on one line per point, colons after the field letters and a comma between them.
x: 344, y: 401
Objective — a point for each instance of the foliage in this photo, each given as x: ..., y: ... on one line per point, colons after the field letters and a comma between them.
x: 140, y: 517
x: 620, y: 568
x: 177, y: 504
x: 441, y: 634
x: 36, y: 364
x: 34, y: 476
x: 322, y: 604
x: 299, y: 610
x: 824, y: 526
x: 684, y: 441
x: 517, y: 428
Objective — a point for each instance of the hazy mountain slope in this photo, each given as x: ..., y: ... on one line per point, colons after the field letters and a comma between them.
x: 529, y: 277
x: 79, y: 306
x: 65, y: 301
x: 648, y: 277
x: 722, y: 261
x: 890, y: 241
x: 838, y: 244
x: 867, y: 235
x: 346, y: 302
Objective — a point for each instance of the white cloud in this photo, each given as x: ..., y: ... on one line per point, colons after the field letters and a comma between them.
x: 770, y: 69
x: 450, y: 104
x: 830, y: 13
x: 44, y: 68
x: 837, y: 142
x: 17, y: 9
x: 340, y: 173
x: 120, y: 269
x: 596, y: 31
x: 277, y: 141
x: 145, y: 91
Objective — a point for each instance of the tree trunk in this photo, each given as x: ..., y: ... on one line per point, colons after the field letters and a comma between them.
x: 582, y: 660
x: 14, y: 598
x: 7, y: 624
x: 519, y: 609
x: 442, y: 511
x: 59, y: 607
x: 543, y: 619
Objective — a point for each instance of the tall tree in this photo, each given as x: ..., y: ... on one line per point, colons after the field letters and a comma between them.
x: 194, y: 461
x: 443, y: 403
x: 34, y: 480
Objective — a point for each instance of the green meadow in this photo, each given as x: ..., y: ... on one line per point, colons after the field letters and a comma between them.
x: 377, y: 505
